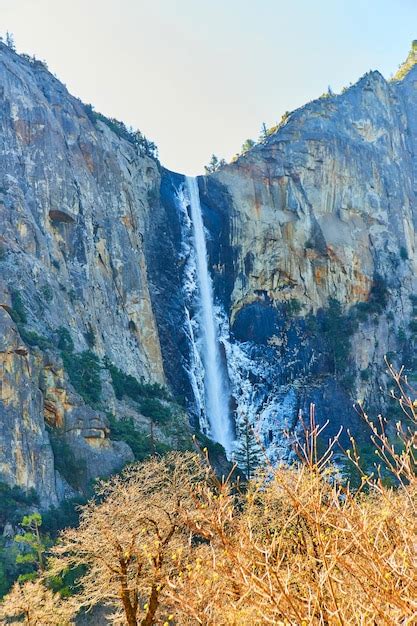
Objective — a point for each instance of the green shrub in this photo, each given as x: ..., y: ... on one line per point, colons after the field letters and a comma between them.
x: 402, y: 337
x: 71, y: 468
x: 127, y: 385
x: 90, y: 338
x: 293, y: 307
x: 333, y: 329
x: 155, y: 410
x: 65, y: 515
x: 9, y: 569
x: 67, y: 584
x: 181, y: 401
x: 347, y: 379
x: 19, y: 564
x: 123, y: 384
x: 33, y: 339
x: 366, y: 451
x: 14, y: 503
x: 247, y: 145
x: 377, y: 302
x: 312, y: 324
x: 72, y: 295
x: 413, y: 326
x: 140, y: 443
x: 379, y: 293
x: 214, y: 449
x: 83, y: 370
x: 65, y: 342
x: 337, y: 328
x: 47, y: 293
x: 214, y: 165
x: 18, y: 312
x: 403, y: 253
x: 362, y: 311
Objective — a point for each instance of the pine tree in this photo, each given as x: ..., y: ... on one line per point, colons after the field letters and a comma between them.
x: 248, y: 454
x: 10, y: 41
x: 33, y: 546
x: 214, y: 165
x: 249, y: 143
x: 263, y: 136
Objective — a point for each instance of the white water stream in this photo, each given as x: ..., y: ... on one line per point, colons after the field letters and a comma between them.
x: 215, y: 385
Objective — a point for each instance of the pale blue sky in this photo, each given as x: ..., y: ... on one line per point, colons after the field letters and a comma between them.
x: 200, y: 76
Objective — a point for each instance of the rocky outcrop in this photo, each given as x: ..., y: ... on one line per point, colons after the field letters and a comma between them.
x: 26, y: 458
x: 35, y: 395
x: 327, y: 200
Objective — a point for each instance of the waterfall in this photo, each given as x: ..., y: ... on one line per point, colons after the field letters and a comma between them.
x: 215, y: 385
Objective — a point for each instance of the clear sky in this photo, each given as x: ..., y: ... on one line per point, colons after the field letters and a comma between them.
x: 200, y: 76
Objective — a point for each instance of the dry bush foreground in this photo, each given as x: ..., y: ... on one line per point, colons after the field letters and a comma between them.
x: 168, y: 543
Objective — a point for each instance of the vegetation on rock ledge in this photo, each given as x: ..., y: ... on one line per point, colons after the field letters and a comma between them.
x: 144, y: 146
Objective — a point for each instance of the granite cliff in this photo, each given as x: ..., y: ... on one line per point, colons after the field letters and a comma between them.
x: 75, y: 202
x: 312, y: 250
x: 317, y: 258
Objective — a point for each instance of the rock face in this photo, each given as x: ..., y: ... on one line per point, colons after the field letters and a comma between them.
x: 74, y: 199
x: 312, y: 250
x: 326, y: 201
x: 324, y: 208
x: 26, y: 456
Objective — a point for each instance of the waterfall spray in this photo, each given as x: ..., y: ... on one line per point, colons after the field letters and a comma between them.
x: 215, y: 386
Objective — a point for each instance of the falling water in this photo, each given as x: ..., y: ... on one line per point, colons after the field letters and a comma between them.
x: 216, y: 394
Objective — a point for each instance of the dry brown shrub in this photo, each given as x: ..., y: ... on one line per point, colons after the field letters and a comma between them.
x: 34, y: 604
x: 170, y: 542
x: 123, y: 539
x: 299, y: 547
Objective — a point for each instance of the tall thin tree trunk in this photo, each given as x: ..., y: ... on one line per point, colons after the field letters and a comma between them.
x: 130, y: 612
x: 127, y: 606
x: 148, y: 620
